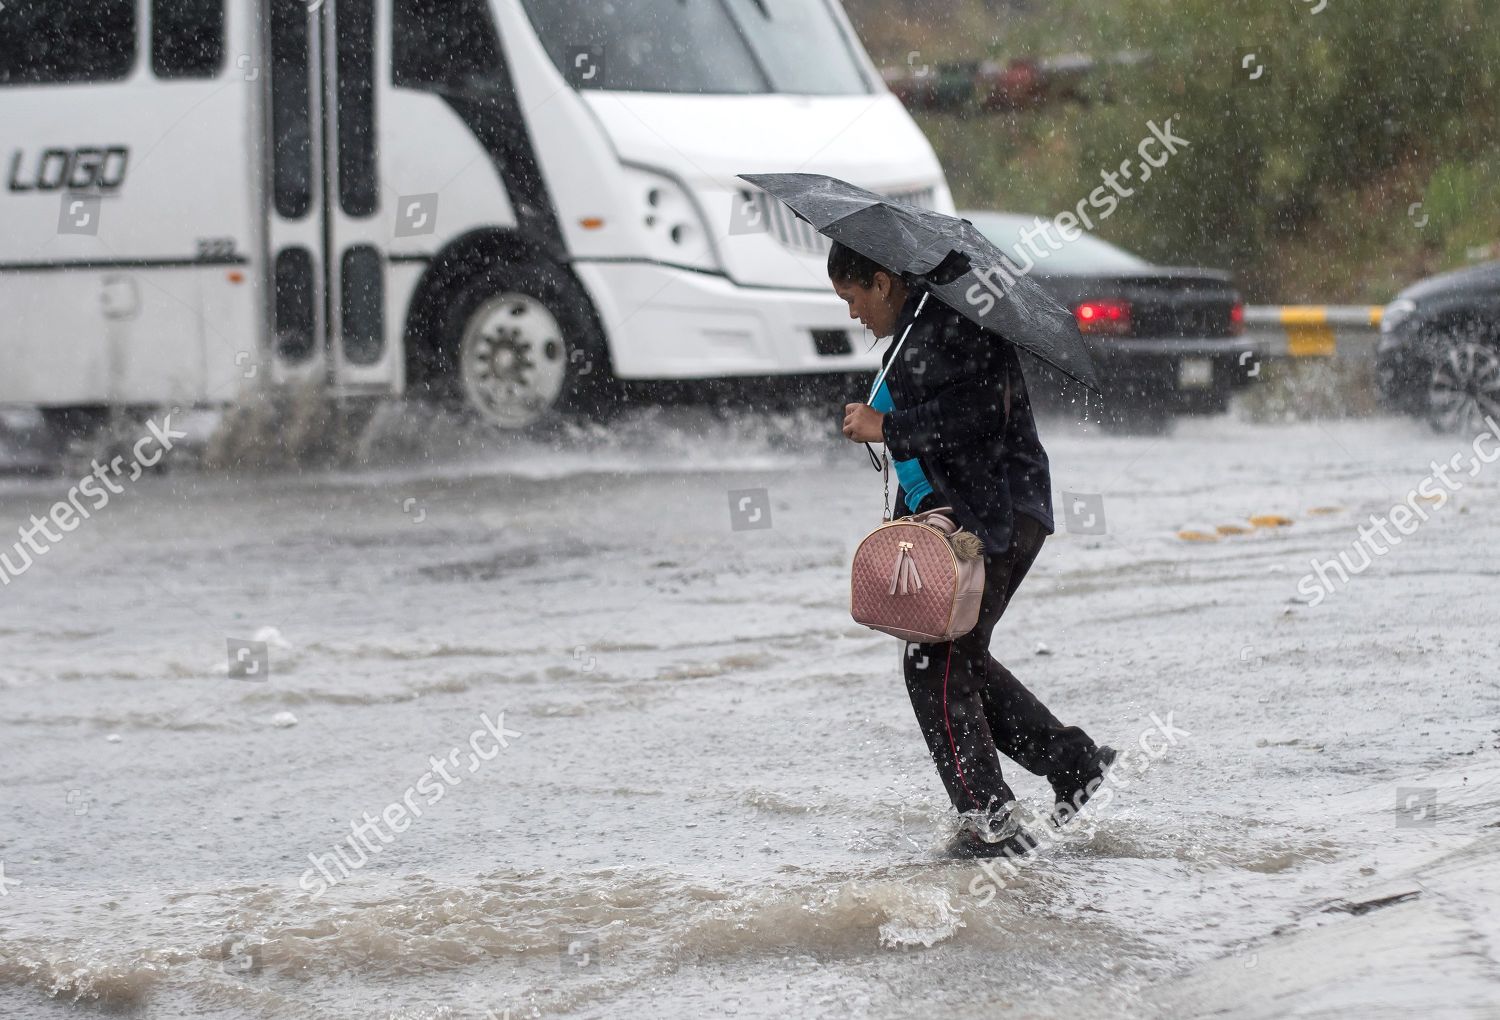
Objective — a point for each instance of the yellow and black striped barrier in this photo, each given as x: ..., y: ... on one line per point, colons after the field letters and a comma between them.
x: 1314, y: 331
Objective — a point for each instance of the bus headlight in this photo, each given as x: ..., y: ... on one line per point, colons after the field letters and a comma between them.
x: 669, y: 221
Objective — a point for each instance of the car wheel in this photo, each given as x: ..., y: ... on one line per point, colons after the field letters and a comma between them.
x: 521, y: 351
x: 1464, y: 386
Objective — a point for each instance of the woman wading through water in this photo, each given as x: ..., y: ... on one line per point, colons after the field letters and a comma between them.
x: 955, y: 418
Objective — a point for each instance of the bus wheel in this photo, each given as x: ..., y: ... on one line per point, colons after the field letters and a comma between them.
x: 522, y: 350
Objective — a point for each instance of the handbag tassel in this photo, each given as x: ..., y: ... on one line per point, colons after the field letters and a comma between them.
x: 905, y: 573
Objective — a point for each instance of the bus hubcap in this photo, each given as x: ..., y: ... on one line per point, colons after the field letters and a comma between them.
x: 513, y: 360
x: 1465, y: 387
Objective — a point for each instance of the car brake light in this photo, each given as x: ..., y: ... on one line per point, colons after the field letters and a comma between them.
x: 1106, y: 318
x: 1237, y: 319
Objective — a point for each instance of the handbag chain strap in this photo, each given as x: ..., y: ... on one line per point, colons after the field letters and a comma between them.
x: 886, y: 473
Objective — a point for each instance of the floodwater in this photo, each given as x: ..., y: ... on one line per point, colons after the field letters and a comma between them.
x: 711, y: 798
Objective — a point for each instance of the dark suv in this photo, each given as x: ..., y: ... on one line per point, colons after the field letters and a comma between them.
x: 1439, y: 353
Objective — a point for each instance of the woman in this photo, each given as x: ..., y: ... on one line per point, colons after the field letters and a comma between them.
x: 955, y: 418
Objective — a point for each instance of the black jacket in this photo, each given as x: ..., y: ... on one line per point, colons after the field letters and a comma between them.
x: 948, y: 387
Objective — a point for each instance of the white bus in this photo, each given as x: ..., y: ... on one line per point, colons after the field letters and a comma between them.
x: 510, y: 204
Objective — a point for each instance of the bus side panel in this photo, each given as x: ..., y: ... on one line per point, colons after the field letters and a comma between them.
x: 128, y: 276
x: 580, y: 166
x: 440, y: 184
x: 116, y: 337
x: 443, y: 181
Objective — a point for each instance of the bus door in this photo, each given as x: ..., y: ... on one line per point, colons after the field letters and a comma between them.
x: 328, y: 229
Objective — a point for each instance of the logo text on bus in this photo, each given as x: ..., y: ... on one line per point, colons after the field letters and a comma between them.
x: 87, y: 168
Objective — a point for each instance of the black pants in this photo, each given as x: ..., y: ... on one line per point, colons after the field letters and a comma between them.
x: 970, y: 706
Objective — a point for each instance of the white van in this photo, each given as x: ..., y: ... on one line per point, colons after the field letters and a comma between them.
x: 510, y: 203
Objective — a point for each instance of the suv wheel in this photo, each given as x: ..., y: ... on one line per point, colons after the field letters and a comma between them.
x: 1463, y: 387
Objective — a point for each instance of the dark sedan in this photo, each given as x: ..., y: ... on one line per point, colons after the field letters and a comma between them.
x: 1439, y: 353
x: 1166, y: 341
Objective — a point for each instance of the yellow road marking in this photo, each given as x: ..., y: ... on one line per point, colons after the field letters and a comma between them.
x: 1271, y: 521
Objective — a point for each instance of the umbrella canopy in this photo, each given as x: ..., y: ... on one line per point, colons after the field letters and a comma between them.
x: 960, y: 266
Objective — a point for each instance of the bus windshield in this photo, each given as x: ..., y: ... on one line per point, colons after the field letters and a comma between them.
x: 703, y: 46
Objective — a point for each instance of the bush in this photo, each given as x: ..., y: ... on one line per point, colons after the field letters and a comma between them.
x: 1350, y: 96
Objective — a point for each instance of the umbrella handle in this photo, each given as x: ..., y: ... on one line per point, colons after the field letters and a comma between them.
x: 887, y: 366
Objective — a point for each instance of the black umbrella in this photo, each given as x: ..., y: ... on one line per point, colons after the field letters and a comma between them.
x: 958, y: 264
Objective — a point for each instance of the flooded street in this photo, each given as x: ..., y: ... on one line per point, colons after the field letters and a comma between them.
x: 684, y: 783
x: 436, y: 437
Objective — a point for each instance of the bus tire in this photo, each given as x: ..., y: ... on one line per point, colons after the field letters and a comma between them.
x: 521, y: 350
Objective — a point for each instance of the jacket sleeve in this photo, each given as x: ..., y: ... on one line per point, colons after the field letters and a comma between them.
x: 967, y: 409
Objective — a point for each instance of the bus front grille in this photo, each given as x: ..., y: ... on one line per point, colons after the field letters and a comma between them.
x: 798, y: 235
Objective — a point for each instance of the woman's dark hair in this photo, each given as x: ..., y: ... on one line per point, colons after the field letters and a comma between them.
x: 845, y: 265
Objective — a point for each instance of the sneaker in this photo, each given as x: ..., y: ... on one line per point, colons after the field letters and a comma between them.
x: 1073, y: 787
x: 1006, y: 838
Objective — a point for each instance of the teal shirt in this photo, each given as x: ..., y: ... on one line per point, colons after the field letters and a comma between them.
x: 908, y: 472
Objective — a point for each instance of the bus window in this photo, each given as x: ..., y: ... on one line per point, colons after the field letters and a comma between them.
x: 708, y: 46
x: 443, y: 44
x: 356, y: 110
x: 44, y: 42
x: 801, y: 46
x: 648, y: 46
x: 291, y: 117
x: 187, y: 38
x: 294, y: 316
x: 363, y: 304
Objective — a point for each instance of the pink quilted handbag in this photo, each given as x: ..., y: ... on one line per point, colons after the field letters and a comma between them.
x: 918, y: 578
